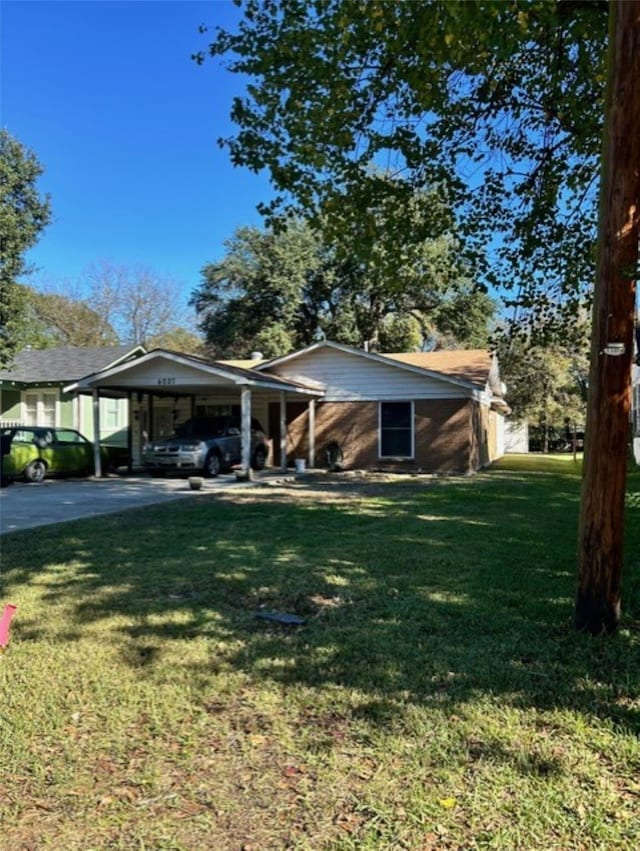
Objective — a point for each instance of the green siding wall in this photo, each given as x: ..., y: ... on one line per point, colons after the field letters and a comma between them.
x: 66, y: 411
x: 10, y: 404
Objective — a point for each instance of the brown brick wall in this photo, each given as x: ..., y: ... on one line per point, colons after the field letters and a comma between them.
x: 354, y: 425
x: 445, y: 432
x: 443, y: 435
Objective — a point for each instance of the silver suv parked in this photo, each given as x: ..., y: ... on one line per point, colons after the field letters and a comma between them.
x: 206, y: 445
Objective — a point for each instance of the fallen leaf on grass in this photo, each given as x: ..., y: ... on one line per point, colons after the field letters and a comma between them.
x: 349, y: 822
x: 127, y: 793
x: 189, y: 809
x: 447, y: 803
x: 291, y: 770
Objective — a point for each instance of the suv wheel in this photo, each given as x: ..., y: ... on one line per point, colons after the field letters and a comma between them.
x: 212, y: 465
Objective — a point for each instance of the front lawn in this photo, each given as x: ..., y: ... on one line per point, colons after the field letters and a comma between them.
x: 436, y: 696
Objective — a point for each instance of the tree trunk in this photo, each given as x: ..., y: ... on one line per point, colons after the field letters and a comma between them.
x: 603, y: 489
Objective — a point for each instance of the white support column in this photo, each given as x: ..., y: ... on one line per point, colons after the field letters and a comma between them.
x: 312, y: 433
x: 96, y: 434
x: 283, y: 431
x: 245, y: 408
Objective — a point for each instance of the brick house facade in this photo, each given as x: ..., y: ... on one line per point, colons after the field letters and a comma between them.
x: 451, y: 405
x: 436, y: 412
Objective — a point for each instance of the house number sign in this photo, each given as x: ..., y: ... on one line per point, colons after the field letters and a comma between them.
x: 165, y: 381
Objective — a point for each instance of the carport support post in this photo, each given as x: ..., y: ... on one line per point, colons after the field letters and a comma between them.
x: 312, y: 433
x: 129, y: 433
x: 97, y: 462
x: 283, y: 431
x: 245, y: 408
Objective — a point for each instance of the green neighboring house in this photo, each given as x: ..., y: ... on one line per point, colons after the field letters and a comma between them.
x: 31, y: 390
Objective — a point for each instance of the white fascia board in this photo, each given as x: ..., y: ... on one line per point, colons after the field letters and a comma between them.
x: 157, y: 354
x: 282, y: 384
x: 126, y: 358
x: 292, y: 355
x: 90, y: 381
x: 234, y: 375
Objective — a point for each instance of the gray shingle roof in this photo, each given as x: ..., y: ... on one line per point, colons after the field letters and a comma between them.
x: 62, y: 364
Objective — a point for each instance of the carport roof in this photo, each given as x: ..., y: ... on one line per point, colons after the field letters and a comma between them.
x: 164, y: 371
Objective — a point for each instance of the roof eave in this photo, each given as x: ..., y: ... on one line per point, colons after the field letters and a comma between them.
x: 235, y: 375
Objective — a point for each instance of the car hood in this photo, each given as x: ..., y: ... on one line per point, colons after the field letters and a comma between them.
x: 176, y: 442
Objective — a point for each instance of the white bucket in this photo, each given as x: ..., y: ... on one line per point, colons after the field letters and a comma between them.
x: 300, y: 465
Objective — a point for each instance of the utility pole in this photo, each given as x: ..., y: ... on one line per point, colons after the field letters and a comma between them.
x: 601, y: 529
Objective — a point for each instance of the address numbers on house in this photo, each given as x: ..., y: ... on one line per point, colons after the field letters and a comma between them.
x: 166, y: 381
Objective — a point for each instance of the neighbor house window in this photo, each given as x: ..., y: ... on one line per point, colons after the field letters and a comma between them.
x: 40, y: 409
x: 396, y: 429
x: 110, y: 414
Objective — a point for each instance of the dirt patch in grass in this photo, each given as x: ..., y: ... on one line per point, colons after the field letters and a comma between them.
x: 341, y: 486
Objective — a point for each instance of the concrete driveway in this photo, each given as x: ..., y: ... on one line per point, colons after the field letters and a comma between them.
x: 26, y: 506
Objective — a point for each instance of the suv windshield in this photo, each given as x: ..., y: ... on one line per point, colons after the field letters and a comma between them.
x: 201, y: 427
x: 204, y: 428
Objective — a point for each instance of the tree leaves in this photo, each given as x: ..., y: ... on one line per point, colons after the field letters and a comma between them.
x: 275, y: 291
x: 495, y: 106
x: 24, y: 213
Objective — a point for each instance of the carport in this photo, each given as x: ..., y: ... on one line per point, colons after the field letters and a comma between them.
x: 163, y: 377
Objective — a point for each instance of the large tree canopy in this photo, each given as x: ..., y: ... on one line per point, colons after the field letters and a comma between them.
x: 547, y: 385
x: 498, y: 106
x: 54, y: 319
x: 24, y: 213
x: 275, y: 291
x: 110, y: 304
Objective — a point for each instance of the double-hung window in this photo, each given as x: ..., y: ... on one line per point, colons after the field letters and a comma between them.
x: 40, y: 409
x: 396, y: 430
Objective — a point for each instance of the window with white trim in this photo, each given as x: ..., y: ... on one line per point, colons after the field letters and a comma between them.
x: 396, y: 439
x: 40, y: 409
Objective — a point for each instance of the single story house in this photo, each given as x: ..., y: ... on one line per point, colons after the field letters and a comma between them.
x: 32, y: 390
x: 431, y: 411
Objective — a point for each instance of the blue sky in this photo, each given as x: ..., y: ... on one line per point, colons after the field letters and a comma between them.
x: 126, y: 127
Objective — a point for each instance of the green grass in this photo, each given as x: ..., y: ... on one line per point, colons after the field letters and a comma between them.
x: 560, y: 463
x: 436, y: 698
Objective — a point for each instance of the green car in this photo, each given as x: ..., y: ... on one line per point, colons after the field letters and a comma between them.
x: 33, y: 452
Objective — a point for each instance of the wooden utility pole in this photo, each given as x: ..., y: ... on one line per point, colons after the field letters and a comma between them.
x: 603, y: 488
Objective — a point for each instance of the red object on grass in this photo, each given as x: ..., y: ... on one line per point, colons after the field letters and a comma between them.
x: 5, y: 623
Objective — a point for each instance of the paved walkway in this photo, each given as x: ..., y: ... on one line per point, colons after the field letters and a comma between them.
x: 26, y: 506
